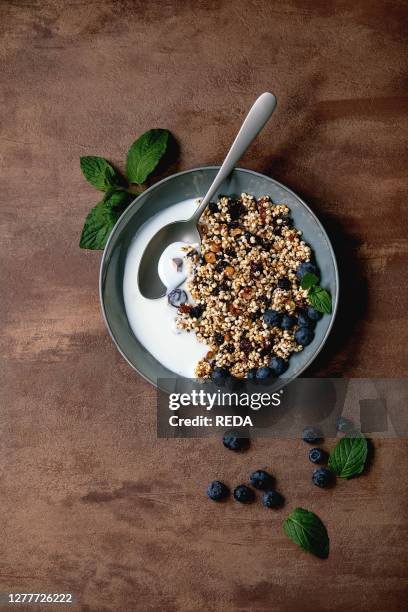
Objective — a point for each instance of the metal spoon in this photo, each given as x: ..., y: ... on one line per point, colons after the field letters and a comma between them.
x: 150, y: 284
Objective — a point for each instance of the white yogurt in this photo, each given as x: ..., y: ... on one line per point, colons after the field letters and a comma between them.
x: 152, y: 321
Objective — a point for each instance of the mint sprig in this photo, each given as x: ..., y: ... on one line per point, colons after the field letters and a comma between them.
x: 143, y: 157
x: 99, y: 173
x: 319, y: 298
x: 348, y: 457
x: 306, y: 530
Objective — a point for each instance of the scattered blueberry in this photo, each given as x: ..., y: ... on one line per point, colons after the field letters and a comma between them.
x: 244, y: 494
x: 196, y: 311
x: 322, y: 477
x: 312, y: 435
x: 272, y: 318
x: 313, y: 314
x: 263, y: 373
x: 261, y: 480
x: 304, y: 336
x: 233, y: 441
x: 344, y: 425
x: 284, y: 283
x: 213, y: 207
x: 318, y: 455
x: 251, y: 375
x: 177, y: 297
x: 278, y: 366
x: 288, y: 322
x: 272, y: 499
x: 217, y: 490
x: 219, y: 375
x: 306, y: 267
x: 303, y: 319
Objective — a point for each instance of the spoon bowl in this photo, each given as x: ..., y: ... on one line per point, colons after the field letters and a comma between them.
x: 150, y: 284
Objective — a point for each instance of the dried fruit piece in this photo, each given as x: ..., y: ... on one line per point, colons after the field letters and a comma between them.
x: 229, y: 271
x: 210, y: 257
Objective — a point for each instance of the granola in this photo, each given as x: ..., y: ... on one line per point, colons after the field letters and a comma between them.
x: 245, y: 272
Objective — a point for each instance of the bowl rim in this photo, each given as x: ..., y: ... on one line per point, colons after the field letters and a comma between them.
x: 126, y: 212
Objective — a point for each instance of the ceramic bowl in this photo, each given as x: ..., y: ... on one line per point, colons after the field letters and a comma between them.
x: 193, y: 184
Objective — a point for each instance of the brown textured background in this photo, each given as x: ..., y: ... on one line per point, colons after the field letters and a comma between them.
x: 90, y: 501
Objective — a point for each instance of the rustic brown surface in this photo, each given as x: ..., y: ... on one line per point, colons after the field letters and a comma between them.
x: 91, y: 502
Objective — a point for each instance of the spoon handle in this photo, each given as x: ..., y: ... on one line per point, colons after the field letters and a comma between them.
x: 253, y: 124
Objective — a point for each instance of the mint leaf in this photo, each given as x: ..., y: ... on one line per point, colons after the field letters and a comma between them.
x: 320, y: 299
x: 308, y: 280
x: 348, y: 457
x: 102, y: 218
x: 118, y: 199
x: 99, y: 173
x: 306, y: 530
x: 144, y: 155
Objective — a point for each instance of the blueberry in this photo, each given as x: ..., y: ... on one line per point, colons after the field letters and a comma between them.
x: 306, y: 267
x: 313, y: 314
x: 322, y: 477
x: 284, y: 283
x: 217, y: 490
x: 304, y: 336
x: 218, y: 339
x: 272, y: 499
x: 272, y: 318
x: 288, y: 322
x: 312, y: 435
x: 303, y: 319
x: 213, y: 207
x: 236, y: 209
x: 219, y: 375
x: 278, y: 366
x: 263, y: 373
x: 261, y: 480
x: 233, y: 441
x: 244, y: 494
x: 344, y: 425
x: 317, y: 455
x: 177, y: 297
x: 251, y: 375
x: 196, y: 311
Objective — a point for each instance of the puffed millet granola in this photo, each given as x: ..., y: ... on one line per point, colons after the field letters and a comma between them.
x: 247, y: 246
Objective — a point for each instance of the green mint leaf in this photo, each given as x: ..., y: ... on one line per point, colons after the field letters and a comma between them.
x: 308, y: 280
x: 320, y: 299
x: 118, y: 199
x: 99, y: 173
x: 144, y: 155
x: 98, y: 225
x: 348, y: 457
x: 306, y: 530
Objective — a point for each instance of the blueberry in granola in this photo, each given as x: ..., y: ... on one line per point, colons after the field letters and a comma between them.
x: 288, y: 321
x: 304, y: 336
x: 273, y: 318
x: 278, y: 366
x: 306, y: 267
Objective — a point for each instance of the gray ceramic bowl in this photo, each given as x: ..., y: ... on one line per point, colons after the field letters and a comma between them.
x: 194, y: 184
